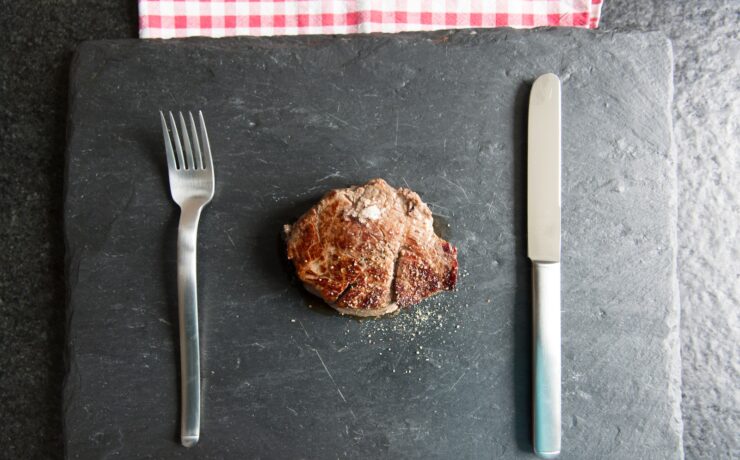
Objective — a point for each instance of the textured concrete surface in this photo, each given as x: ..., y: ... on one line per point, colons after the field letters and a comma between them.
x: 34, y: 61
x: 707, y: 136
x: 37, y: 44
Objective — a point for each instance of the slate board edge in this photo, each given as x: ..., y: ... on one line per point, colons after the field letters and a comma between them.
x: 71, y: 259
x: 674, y: 340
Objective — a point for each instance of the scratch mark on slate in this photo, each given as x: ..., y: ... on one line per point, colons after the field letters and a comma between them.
x: 457, y: 381
x: 329, y: 176
x: 396, y: 142
x: 434, y: 208
x: 491, y: 210
x: 456, y: 185
x: 329, y: 374
x: 292, y: 410
x: 344, y: 122
x: 304, y: 329
x: 472, y: 413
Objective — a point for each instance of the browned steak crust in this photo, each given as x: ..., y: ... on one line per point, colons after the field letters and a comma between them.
x: 367, y: 250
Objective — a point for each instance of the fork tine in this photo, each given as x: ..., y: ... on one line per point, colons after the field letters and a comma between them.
x: 186, y: 142
x: 167, y: 144
x: 178, y: 146
x: 207, y: 161
x: 196, y: 143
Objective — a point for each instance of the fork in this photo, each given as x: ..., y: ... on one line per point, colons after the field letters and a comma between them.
x: 191, y: 178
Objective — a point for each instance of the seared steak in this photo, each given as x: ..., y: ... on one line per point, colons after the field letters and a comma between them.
x: 368, y: 250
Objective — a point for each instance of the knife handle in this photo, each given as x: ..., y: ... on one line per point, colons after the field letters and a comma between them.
x: 546, y: 345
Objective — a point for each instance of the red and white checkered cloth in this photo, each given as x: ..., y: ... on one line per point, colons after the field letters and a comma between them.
x: 222, y: 18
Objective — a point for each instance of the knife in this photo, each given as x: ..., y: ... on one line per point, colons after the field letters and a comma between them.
x: 543, y: 249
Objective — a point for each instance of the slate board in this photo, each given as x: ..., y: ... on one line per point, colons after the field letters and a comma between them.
x: 444, y: 113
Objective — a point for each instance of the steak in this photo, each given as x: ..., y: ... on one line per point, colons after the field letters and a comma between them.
x: 367, y: 250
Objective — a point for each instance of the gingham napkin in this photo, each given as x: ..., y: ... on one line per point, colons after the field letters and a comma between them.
x: 222, y: 18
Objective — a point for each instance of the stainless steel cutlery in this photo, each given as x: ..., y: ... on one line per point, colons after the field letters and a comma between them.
x: 190, y: 168
x: 543, y: 248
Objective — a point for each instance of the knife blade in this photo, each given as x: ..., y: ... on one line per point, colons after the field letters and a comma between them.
x: 543, y: 249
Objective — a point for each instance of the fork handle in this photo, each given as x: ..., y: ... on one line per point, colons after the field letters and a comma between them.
x: 187, y: 295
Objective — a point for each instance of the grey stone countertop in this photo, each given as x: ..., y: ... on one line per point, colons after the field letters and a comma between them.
x: 35, y: 56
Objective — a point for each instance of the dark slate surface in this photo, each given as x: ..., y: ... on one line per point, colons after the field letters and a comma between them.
x: 290, y: 118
